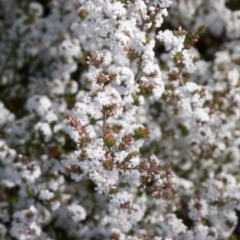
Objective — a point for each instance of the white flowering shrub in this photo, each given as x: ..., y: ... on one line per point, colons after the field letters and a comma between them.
x: 119, y: 120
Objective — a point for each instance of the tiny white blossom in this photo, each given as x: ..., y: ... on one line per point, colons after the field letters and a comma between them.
x: 78, y: 213
x: 171, y: 42
x: 45, y: 194
x: 121, y: 198
x: 198, y: 209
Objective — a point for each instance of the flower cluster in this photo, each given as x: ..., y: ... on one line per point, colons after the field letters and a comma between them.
x: 115, y: 126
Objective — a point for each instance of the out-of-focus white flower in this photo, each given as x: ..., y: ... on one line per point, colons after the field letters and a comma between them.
x: 77, y: 212
x: 45, y: 194
x: 122, y: 199
x: 198, y: 209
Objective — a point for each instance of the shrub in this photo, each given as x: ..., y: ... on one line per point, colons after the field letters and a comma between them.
x: 119, y: 119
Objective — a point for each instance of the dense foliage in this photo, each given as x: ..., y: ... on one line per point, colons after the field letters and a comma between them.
x: 119, y: 119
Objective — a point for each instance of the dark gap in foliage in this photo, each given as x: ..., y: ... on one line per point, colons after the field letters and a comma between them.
x: 208, y: 45
x: 46, y: 7
x: 236, y: 232
x: 233, y: 5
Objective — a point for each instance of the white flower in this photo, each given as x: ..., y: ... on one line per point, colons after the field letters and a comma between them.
x: 57, y: 86
x: 233, y: 77
x: 3, y: 232
x: 120, y: 156
x: 26, y: 172
x: 7, y: 154
x: 45, y: 194
x: 77, y: 212
x: 5, y: 116
x: 45, y: 129
x: 173, y: 226
x: 36, y: 9
x: 39, y: 104
x: 125, y: 81
x: 158, y: 90
x: 70, y: 48
x: 165, y: 3
x: 198, y: 209
x: 188, y: 61
x: 171, y: 42
x: 201, y: 115
x: 24, y: 224
x: 121, y: 199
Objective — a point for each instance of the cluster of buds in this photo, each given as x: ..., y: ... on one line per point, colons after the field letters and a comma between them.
x: 95, y: 59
